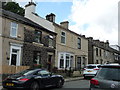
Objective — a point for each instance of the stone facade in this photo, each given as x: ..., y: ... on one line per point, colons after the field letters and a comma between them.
x: 79, y: 55
x: 100, y: 52
x: 23, y: 45
x: 30, y: 46
x: 70, y: 49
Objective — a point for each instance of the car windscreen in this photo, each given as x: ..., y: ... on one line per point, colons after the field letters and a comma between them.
x: 90, y: 67
x: 109, y: 74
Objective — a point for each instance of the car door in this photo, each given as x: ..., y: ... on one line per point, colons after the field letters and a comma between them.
x: 53, y: 79
x: 45, y: 77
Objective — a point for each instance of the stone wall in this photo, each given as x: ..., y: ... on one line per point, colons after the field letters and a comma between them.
x: 29, y: 47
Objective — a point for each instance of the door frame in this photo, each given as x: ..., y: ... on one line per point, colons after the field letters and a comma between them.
x: 18, y: 47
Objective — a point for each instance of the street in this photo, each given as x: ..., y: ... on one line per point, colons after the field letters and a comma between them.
x: 77, y: 84
x: 74, y: 84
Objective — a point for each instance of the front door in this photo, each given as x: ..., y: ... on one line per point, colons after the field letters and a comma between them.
x: 49, y: 62
x: 78, y: 63
x: 15, y: 54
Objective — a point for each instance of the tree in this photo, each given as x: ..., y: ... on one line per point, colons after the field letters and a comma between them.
x: 14, y: 7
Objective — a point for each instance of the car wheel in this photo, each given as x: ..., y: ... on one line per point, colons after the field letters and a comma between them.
x: 59, y: 83
x: 34, y: 86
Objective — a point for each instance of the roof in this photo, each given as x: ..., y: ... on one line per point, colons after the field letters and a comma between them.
x: 16, y: 17
x: 111, y: 65
x: 82, y: 36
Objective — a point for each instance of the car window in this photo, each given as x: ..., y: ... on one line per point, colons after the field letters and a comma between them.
x: 26, y: 72
x: 43, y: 73
x: 90, y: 67
x: 109, y: 74
x: 99, y: 66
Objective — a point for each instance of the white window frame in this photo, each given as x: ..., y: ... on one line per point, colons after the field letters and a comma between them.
x: 63, y: 36
x: 14, y: 28
x: 64, y: 56
x: 18, y: 47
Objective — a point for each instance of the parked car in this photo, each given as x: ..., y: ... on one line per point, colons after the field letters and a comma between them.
x: 33, y: 79
x: 108, y: 77
x: 90, y: 70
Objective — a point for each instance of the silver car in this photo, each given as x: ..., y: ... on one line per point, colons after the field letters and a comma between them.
x: 107, y: 78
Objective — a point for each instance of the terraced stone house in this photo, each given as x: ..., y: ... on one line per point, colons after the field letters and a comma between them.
x: 100, y: 52
x: 25, y: 43
x: 71, y: 48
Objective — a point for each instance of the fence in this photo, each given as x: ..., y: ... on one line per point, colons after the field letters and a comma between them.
x: 13, y: 69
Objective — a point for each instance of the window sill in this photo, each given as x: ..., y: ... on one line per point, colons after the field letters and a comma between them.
x: 61, y: 68
x: 63, y: 44
x: 51, y: 47
x: 38, y: 44
x: 13, y: 37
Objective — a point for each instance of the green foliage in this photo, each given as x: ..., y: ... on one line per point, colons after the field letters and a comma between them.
x: 14, y: 7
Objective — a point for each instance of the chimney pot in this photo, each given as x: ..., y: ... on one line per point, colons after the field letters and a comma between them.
x: 30, y: 3
x: 50, y: 17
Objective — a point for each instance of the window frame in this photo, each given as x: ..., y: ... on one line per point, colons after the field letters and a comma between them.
x: 70, y: 60
x: 100, y: 51
x: 35, y: 55
x: 96, y: 51
x: 18, y: 59
x: 79, y: 43
x: 51, y: 39
x: 11, y: 30
x: 61, y: 59
x: 40, y: 36
x: 62, y: 36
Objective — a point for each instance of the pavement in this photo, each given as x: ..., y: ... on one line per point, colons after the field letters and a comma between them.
x: 66, y: 80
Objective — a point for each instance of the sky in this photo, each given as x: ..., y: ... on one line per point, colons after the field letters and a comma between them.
x: 92, y: 18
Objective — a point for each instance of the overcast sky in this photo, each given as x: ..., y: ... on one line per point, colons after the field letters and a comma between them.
x: 93, y: 18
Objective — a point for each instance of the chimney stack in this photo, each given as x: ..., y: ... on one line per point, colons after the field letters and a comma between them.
x: 50, y: 17
x: 65, y: 24
x: 29, y: 8
x: 107, y: 43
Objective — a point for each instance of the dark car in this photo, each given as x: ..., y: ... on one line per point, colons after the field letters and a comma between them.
x: 33, y: 79
x: 108, y: 77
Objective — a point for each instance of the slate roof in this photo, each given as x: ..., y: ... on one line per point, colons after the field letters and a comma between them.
x: 21, y: 19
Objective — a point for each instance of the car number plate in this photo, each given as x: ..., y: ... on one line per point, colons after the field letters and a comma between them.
x: 89, y: 71
x: 9, y: 84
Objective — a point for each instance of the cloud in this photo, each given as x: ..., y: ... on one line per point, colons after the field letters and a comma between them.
x: 96, y: 18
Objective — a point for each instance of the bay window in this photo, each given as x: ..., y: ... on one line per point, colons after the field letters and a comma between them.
x: 65, y: 60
